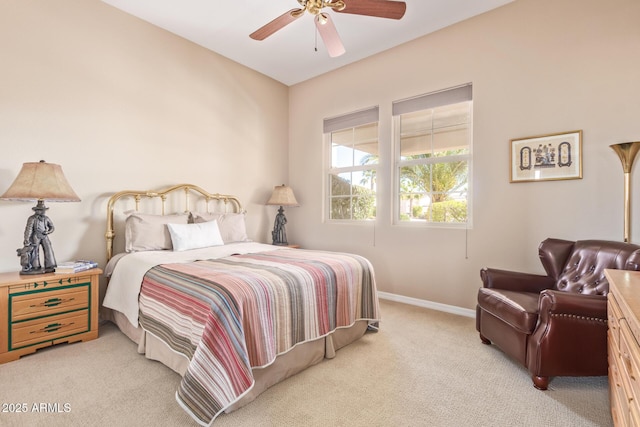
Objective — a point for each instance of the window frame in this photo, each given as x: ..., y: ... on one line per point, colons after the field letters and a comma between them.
x: 342, y: 123
x: 455, y: 95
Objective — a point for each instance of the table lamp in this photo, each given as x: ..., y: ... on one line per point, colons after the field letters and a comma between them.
x: 281, y: 196
x: 39, y: 181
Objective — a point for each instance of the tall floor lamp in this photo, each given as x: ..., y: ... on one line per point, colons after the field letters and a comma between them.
x: 627, y: 152
x: 39, y: 181
x: 281, y: 196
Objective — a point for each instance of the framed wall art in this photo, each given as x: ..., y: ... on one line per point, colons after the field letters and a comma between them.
x: 547, y: 157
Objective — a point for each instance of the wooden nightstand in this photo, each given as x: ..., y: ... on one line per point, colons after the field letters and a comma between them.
x: 46, y: 309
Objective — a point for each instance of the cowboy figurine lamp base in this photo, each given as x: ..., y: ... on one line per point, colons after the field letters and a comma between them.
x: 279, y: 233
x: 36, y: 237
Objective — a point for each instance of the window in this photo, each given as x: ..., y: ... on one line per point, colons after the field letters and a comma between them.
x: 433, y: 157
x: 353, y: 163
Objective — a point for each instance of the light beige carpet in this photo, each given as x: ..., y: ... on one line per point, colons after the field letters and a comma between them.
x: 423, y: 368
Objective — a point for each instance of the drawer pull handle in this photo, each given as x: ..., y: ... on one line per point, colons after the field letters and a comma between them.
x: 52, y: 327
x: 52, y: 302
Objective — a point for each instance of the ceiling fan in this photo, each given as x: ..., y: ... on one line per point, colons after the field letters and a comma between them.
x: 324, y: 24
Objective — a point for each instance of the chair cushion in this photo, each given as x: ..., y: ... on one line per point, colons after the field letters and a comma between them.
x: 518, y: 309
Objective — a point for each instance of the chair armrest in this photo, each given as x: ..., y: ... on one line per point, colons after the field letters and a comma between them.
x: 515, y: 281
x: 553, y: 302
x: 571, y: 335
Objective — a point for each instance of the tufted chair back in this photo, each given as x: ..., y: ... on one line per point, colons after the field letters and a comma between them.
x: 578, y: 267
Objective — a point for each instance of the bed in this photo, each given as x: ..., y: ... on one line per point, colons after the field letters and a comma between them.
x: 231, y: 316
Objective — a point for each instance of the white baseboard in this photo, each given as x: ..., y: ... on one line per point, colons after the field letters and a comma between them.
x: 428, y: 304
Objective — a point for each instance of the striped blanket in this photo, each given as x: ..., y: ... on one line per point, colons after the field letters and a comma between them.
x: 232, y: 314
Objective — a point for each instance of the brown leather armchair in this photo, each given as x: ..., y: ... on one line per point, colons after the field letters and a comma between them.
x: 554, y: 325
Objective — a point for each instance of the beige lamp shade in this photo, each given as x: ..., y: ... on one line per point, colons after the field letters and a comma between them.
x: 41, y: 181
x: 283, y: 196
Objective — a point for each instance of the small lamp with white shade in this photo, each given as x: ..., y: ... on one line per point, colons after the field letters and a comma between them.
x: 281, y: 196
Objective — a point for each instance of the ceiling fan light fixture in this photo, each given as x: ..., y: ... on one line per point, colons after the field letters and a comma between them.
x: 322, y: 19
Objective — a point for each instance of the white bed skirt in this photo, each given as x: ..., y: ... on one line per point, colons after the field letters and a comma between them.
x: 286, y: 365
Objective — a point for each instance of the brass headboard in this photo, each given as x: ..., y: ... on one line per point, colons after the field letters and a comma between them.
x: 188, y: 189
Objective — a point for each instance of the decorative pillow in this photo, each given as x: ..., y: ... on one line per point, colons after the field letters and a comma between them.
x: 194, y: 236
x: 146, y: 232
x: 232, y: 225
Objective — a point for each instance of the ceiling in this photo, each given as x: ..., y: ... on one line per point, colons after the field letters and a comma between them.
x: 290, y: 55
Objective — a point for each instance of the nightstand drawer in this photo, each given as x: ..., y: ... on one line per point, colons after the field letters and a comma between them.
x: 48, y: 328
x: 38, y: 304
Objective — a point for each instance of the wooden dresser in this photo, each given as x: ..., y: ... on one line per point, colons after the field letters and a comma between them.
x: 624, y: 346
x: 42, y: 310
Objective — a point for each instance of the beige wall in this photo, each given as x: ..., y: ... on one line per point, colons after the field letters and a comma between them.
x: 121, y: 104
x: 537, y: 67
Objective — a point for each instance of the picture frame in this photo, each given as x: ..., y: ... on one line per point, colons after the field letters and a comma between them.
x: 555, y: 156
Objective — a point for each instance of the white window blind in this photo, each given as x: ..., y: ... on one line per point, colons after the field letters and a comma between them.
x: 432, y: 100
x: 351, y: 120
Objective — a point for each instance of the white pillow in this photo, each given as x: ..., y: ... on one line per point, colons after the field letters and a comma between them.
x: 146, y: 232
x: 194, y: 236
x: 232, y: 225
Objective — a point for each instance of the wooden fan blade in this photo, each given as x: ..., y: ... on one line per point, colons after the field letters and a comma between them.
x: 329, y: 35
x: 377, y: 8
x: 277, y: 24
